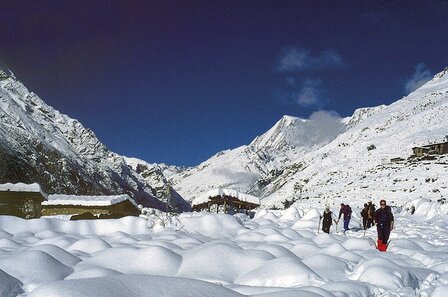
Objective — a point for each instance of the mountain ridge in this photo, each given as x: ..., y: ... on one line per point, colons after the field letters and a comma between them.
x: 39, y: 144
x: 366, y: 143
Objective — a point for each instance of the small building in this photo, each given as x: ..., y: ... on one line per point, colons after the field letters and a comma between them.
x: 115, y: 206
x: 431, y: 149
x: 21, y: 200
x: 396, y: 160
x: 225, y: 200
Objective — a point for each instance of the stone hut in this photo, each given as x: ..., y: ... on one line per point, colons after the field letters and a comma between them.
x: 431, y: 149
x: 115, y: 206
x: 21, y: 200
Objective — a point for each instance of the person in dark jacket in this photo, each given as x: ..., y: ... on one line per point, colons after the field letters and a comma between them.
x: 384, y: 220
x: 327, y: 220
x: 347, y: 212
x: 365, y: 215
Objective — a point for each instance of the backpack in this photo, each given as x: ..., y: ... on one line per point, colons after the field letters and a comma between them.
x: 371, y: 211
x: 347, y: 211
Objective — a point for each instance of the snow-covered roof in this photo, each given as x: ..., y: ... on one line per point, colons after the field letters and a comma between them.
x: 58, y: 199
x: 225, y: 192
x: 21, y: 187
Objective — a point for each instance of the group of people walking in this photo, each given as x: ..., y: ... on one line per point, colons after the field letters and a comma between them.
x: 382, y: 217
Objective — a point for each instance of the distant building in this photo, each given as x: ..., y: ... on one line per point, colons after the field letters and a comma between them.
x: 431, y: 149
x: 225, y: 200
x: 21, y: 200
x: 398, y: 159
x: 115, y: 206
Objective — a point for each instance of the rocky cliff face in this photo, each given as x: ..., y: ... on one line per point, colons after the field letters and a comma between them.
x: 39, y: 144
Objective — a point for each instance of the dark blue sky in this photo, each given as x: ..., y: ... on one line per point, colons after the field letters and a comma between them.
x: 178, y: 81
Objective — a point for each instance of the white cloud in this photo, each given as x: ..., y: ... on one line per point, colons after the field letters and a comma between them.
x: 308, y: 93
x: 321, y: 128
x: 298, y: 59
x: 240, y: 177
x: 421, y: 76
x: 311, y: 94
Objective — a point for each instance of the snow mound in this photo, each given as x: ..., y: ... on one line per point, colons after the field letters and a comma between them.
x: 9, y: 286
x: 281, y: 272
x: 385, y: 274
x: 205, y: 263
x: 425, y: 209
x: 292, y: 214
x: 92, y: 272
x: 153, y: 260
x: 130, y: 225
x: 89, y: 245
x: 211, y: 224
x: 133, y: 286
x: 34, y: 267
x: 58, y: 253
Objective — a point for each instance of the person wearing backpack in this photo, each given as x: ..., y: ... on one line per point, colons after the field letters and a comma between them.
x: 384, y: 220
x: 346, y: 212
x: 370, y: 214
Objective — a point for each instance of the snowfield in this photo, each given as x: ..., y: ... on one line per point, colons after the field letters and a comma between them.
x: 278, y: 253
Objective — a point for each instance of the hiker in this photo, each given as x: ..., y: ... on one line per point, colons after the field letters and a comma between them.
x: 347, y: 212
x: 384, y: 220
x: 370, y: 214
x: 327, y: 219
x: 365, y: 215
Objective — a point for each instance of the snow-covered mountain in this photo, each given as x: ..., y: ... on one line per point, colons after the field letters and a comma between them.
x: 157, y: 176
x: 325, y: 157
x: 39, y: 144
x: 358, y: 163
x: 246, y: 167
x: 334, y: 160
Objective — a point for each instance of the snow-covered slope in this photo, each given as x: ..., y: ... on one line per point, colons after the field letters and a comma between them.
x: 154, y: 175
x: 357, y: 164
x: 241, y: 168
x: 39, y: 144
x: 336, y: 159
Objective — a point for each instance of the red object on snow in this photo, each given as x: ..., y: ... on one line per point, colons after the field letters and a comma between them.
x: 381, y: 246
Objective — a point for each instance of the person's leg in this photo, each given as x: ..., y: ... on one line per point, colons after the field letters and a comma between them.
x: 379, y: 229
x: 346, y: 223
x: 386, y: 233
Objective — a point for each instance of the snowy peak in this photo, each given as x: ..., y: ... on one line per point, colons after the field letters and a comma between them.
x: 437, y: 84
x: 361, y: 114
x: 281, y: 134
x: 5, y: 71
x: 373, y: 158
x: 24, y: 113
x: 441, y: 74
x: 242, y: 168
x: 292, y: 132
